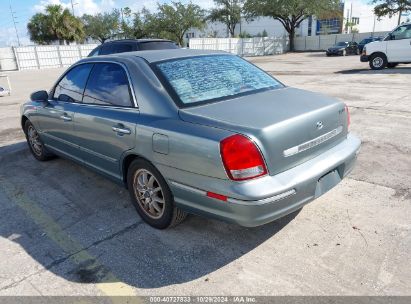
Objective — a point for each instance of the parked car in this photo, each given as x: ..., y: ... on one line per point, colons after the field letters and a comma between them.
x: 4, y: 92
x: 367, y: 40
x: 228, y: 141
x: 131, y: 45
x: 395, y: 48
x: 343, y: 49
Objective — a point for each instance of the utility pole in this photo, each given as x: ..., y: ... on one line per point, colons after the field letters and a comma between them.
x: 13, y: 17
x: 72, y: 6
x: 122, y: 22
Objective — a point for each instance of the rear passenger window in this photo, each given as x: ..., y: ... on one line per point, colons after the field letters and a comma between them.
x: 114, y: 48
x: 108, y: 85
x: 157, y: 45
x: 71, y: 87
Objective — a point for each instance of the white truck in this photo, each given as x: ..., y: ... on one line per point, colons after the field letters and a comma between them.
x: 395, y: 48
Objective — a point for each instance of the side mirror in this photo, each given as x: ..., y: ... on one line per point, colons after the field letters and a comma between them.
x: 391, y: 36
x: 39, y: 96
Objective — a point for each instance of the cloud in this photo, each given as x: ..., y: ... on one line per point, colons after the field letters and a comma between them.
x: 81, y: 6
x: 152, y: 5
x: 8, y: 37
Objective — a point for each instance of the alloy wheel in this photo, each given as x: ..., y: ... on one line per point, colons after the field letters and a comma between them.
x: 34, y: 140
x: 149, y: 193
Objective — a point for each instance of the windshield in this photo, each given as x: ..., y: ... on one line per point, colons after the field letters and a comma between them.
x: 341, y: 43
x: 205, y: 78
x: 365, y: 41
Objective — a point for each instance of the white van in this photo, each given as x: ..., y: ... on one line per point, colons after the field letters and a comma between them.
x: 392, y: 50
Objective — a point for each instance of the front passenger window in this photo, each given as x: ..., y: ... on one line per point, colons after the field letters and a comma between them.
x: 108, y: 85
x: 403, y: 32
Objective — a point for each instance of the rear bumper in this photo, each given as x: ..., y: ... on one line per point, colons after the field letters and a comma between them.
x: 336, y: 53
x: 364, y: 58
x: 265, y: 199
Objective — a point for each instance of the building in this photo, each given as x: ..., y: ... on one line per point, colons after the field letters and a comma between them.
x: 357, y: 17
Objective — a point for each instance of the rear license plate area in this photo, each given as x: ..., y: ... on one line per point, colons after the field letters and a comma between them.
x: 327, y: 182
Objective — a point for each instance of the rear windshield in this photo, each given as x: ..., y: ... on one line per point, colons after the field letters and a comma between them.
x: 157, y: 45
x: 209, y: 78
x: 342, y: 43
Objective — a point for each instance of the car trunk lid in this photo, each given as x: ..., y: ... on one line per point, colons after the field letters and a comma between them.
x: 290, y: 126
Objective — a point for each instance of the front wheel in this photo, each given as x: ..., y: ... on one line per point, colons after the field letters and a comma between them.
x: 378, y: 62
x: 151, y: 196
x: 35, y: 144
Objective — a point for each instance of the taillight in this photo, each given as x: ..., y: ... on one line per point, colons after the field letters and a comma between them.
x: 241, y: 158
x: 348, y: 116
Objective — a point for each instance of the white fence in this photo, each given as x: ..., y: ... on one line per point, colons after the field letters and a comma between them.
x: 40, y: 57
x: 257, y: 46
x: 323, y: 42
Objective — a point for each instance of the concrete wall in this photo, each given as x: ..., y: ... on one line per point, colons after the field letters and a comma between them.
x: 7, y: 59
x: 258, y: 46
x: 40, y: 57
x: 323, y: 42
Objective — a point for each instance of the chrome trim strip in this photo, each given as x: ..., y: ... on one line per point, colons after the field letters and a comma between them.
x: 188, y: 188
x: 267, y: 200
x: 312, y: 143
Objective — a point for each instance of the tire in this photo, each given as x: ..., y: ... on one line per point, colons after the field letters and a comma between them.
x: 152, y: 198
x: 36, y: 146
x: 391, y: 65
x: 378, y: 62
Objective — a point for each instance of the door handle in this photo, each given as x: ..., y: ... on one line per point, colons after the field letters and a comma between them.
x: 121, y: 130
x: 65, y: 117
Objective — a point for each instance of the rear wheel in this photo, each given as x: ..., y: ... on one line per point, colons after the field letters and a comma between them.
x: 378, y: 61
x: 35, y: 144
x: 151, y: 196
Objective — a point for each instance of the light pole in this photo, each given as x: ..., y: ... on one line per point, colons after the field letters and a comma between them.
x: 72, y: 6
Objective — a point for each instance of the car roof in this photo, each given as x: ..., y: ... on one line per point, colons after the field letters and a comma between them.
x: 138, y: 40
x: 166, y: 54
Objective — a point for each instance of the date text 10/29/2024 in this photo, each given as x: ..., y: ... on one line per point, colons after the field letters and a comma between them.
x: 204, y: 299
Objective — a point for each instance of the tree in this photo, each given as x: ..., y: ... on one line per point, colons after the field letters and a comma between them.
x: 391, y: 7
x: 56, y: 24
x: 175, y: 19
x: 38, y: 29
x: 102, y: 26
x: 227, y: 12
x: 290, y: 12
x: 136, y: 25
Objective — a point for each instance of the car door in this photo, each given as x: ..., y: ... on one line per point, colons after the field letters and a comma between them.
x: 399, y: 44
x: 56, y: 118
x: 106, y: 120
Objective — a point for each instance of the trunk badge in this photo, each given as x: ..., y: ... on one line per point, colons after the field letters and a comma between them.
x: 319, y: 125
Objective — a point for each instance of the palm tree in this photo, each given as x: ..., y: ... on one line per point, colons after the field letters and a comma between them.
x: 56, y: 24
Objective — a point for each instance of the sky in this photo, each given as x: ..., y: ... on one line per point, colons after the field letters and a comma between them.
x: 24, y: 9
